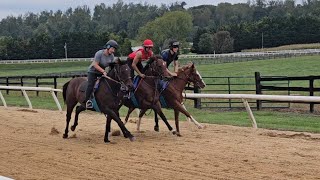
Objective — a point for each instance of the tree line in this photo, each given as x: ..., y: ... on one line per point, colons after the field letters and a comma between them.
x: 201, y: 29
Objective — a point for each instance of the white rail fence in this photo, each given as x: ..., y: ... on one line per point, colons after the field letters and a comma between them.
x: 246, y: 97
x: 24, y: 89
x: 184, y: 56
x: 243, y: 97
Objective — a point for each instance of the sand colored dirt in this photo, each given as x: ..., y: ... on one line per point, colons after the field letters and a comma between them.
x: 32, y: 147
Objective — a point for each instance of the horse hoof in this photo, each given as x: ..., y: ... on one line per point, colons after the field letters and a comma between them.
x: 156, y: 128
x: 65, y: 136
x: 132, y: 138
x: 106, y: 141
x: 174, y: 132
x: 73, y: 128
x: 200, y: 127
x: 179, y: 135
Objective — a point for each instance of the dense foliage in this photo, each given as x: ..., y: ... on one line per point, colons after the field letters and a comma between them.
x: 220, y: 29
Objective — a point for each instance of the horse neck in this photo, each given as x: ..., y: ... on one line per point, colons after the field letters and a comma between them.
x: 180, y: 82
x: 149, y: 81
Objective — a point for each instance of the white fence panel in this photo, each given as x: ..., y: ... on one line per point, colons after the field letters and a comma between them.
x: 24, y: 89
x: 245, y: 97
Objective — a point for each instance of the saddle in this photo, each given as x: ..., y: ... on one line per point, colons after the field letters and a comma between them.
x: 83, y: 89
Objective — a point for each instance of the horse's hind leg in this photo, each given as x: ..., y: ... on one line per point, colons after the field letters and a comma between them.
x: 68, y: 117
x: 78, y: 110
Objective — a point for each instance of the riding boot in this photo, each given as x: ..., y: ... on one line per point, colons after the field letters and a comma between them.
x: 91, y: 81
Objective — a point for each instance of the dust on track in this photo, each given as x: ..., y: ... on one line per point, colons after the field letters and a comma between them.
x: 32, y: 147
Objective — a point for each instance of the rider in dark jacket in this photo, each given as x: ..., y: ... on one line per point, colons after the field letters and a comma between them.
x: 171, y: 54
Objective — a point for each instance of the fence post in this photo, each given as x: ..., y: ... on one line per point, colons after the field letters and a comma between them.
x: 37, y: 84
x: 229, y: 91
x: 7, y: 83
x: 55, y: 84
x: 311, y: 91
x: 197, y: 101
x: 21, y: 83
x: 258, y: 88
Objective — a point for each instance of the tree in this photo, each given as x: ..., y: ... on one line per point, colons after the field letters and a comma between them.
x: 206, y: 45
x: 175, y: 25
x: 223, y: 43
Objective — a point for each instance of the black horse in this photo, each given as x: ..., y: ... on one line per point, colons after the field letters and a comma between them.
x: 108, y: 97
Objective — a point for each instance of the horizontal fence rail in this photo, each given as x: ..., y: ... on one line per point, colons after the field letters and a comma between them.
x: 24, y: 89
x: 246, y: 97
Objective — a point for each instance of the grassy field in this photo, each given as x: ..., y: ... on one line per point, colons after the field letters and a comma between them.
x: 291, y: 120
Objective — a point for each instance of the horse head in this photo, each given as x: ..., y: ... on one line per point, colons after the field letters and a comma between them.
x: 157, y: 67
x: 120, y: 72
x: 193, y: 75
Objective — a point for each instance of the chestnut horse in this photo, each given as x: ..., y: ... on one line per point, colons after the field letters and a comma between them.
x: 147, y: 94
x: 108, y: 97
x: 173, y: 94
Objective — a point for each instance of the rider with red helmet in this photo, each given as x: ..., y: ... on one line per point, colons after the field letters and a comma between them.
x: 143, y: 54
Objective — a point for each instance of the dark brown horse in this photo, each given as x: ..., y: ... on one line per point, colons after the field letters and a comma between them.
x: 173, y: 94
x: 147, y: 94
x: 108, y: 97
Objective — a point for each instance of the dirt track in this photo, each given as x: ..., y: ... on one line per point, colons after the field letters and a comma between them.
x: 31, y: 149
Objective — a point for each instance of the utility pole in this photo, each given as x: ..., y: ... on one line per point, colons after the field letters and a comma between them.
x: 65, y: 50
x: 262, y: 41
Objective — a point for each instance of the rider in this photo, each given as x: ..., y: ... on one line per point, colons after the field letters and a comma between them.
x: 143, y: 54
x: 102, y: 59
x: 170, y: 55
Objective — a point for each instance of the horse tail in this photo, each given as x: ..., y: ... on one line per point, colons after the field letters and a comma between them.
x: 64, y: 92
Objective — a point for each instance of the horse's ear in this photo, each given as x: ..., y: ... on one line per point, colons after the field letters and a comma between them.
x: 192, y: 65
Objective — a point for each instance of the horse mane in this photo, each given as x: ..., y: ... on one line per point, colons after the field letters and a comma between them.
x: 183, y: 68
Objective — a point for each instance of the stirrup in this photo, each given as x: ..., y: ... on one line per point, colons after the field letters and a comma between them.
x: 89, y: 104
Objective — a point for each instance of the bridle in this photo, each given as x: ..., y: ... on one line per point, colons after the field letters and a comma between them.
x: 118, y: 79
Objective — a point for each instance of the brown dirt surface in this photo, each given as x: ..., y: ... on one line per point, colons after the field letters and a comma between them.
x: 32, y: 147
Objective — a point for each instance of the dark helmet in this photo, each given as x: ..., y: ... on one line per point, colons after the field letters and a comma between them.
x: 111, y: 43
x: 173, y: 43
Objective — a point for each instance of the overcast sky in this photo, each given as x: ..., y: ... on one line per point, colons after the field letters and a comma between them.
x: 18, y: 7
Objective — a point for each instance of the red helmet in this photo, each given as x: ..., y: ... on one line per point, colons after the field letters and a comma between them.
x: 147, y: 43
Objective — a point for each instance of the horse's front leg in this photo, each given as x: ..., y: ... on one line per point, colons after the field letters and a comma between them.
x: 142, y: 111
x: 108, y: 129
x: 156, y: 121
x: 176, y: 120
x: 79, y: 109
x: 157, y: 108
x: 114, y: 116
x: 191, y: 118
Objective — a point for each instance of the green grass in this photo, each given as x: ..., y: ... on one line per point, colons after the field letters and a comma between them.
x: 294, y: 121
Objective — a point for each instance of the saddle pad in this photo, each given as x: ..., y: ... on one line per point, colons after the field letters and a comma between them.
x: 134, y: 100
x: 95, y: 105
x: 162, y: 85
x: 163, y: 102
x: 136, y: 81
x: 83, y: 86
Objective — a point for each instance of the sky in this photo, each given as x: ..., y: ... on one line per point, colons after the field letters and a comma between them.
x: 21, y: 7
